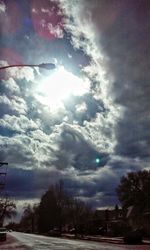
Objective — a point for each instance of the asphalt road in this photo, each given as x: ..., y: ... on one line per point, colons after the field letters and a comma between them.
x: 21, y: 241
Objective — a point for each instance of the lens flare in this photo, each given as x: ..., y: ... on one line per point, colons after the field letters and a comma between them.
x: 58, y: 86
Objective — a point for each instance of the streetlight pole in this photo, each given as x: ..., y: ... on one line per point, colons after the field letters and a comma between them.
x: 3, y: 174
x: 48, y: 66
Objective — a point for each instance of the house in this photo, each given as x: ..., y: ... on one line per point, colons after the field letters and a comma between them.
x: 138, y: 219
x: 110, y: 221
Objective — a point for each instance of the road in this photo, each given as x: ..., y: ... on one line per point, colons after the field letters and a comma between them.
x: 21, y: 241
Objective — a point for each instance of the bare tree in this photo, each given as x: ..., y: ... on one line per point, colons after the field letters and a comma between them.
x: 28, y: 222
x: 7, y: 209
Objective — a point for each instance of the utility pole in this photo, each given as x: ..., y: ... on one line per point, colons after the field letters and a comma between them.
x: 3, y: 174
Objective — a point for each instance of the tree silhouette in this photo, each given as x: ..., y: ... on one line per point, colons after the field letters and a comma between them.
x: 134, y: 191
x: 58, y: 209
x: 52, y: 208
x: 7, y: 209
x: 28, y: 222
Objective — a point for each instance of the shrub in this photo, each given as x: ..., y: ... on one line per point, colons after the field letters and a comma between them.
x: 134, y: 237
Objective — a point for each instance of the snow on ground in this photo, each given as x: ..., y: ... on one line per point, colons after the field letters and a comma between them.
x: 22, y: 241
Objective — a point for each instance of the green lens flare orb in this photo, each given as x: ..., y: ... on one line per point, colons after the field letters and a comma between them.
x: 97, y: 160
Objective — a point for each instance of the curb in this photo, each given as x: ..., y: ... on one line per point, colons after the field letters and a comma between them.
x: 105, y: 240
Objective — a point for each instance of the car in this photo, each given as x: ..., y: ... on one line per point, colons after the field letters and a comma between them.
x: 3, y: 234
x: 72, y: 231
x: 54, y: 232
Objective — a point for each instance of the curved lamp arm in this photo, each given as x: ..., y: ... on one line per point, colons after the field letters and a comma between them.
x: 48, y: 66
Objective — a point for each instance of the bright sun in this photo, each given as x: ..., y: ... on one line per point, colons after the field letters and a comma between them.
x: 59, y: 86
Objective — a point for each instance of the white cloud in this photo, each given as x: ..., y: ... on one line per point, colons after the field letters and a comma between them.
x: 55, y: 30
x: 81, y: 107
x: 2, y: 7
x: 81, y: 24
x: 11, y: 86
x: 15, y: 104
x: 18, y: 123
x: 21, y: 73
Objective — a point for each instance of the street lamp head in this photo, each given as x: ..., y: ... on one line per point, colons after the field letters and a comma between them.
x: 48, y: 66
x: 3, y: 163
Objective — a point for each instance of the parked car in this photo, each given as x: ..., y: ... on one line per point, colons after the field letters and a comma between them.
x: 3, y: 233
x: 72, y: 231
x: 54, y: 232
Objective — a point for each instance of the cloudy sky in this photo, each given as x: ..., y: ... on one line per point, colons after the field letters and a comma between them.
x: 87, y: 121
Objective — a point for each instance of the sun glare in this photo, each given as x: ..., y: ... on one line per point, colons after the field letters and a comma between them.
x: 58, y: 86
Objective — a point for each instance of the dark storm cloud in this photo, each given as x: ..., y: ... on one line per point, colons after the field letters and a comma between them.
x: 16, y: 151
x: 19, y: 183
x: 75, y: 150
x: 119, y: 30
x: 32, y: 183
x: 116, y: 38
x: 97, y: 188
x: 126, y: 43
x: 123, y: 166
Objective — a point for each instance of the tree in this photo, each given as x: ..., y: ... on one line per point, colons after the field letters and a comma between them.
x: 58, y: 209
x: 80, y: 215
x: 134, y: 189
x: 52, y: 208
x: 28, y: 222
x: 7, y: 209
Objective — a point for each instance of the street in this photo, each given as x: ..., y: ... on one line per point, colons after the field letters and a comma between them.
x: 22, y: 241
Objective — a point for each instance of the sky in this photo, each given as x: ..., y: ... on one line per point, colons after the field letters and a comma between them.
x: 87, y: 121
